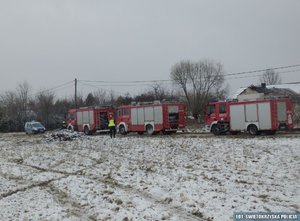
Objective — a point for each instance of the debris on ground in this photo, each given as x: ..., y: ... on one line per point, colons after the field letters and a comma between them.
x: 64, y: 135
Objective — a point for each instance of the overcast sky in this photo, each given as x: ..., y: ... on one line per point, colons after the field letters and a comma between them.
x: 50, y: 42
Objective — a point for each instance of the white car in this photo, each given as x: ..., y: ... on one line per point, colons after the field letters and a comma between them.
x: 34, y: 127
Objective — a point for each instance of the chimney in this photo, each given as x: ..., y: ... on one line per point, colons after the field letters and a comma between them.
x: 263, y: 85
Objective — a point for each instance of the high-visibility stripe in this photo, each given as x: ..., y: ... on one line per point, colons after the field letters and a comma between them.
x: 111, y: 123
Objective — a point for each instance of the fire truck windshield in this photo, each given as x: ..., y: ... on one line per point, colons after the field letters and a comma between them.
x: 222, y: 108
x: 71, y: 116
x: 211, y: 109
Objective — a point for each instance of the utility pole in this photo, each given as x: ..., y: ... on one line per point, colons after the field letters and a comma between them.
x: 75, y: 99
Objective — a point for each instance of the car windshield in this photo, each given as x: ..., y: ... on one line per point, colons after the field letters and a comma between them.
x: 37, y: 125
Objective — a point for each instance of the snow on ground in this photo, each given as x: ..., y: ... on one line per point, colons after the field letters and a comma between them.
x: 146, y: 178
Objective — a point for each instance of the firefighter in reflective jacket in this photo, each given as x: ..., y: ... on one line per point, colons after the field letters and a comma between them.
x: 111, y: 126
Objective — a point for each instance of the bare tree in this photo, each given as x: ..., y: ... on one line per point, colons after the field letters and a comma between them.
x: 156, y: 91
x: 112, y: 100
x: 90, y: 100
x: 198, y: 81
x: 79, y: 100
x: 45, y: 107
x: 124, y: 100
x: 180, y: 73
x: 159, y: 91
x: 23, y: 90
x: 10, y: 110
x: 61, y: 107
x: 220, y: 93
x: 270, y: 77
x: 15, y: 106
x: 100, y: 96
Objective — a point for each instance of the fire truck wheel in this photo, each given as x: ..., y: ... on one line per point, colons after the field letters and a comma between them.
x: 216, y: 130
x: 149, y: 129
x: 252, y: 129
x: 86, y: 130
x: 122, y: 130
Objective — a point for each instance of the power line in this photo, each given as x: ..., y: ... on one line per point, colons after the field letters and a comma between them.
x: 292, y: 82
x: 225, y: 75
x: 144, y: 82
x: 61, y: 86
x: 147, y: 82
x: 258, y: 75
x: 118, y: 85
x: 261, y: 70
x: 288, y: 71
x: 117, y: 82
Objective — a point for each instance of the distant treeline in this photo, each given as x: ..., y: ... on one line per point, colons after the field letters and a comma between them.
x: 194, y: 84
x: 17, y: 107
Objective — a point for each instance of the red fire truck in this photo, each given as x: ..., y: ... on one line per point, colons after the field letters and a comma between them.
x: 151, y: 118
x: 88, y: 119
x: 267, y: 116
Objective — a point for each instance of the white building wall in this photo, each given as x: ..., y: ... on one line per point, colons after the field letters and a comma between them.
x: 250, y: 97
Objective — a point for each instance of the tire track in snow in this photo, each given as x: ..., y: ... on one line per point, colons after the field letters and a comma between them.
x: 106, y: 180
x: 23, y: 189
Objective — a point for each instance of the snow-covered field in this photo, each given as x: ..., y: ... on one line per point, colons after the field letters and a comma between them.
x: 146, y: 178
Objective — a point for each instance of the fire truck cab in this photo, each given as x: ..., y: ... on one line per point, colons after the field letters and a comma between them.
x: 151, y: 118
x: 267, y: 115
x: 88, y: 119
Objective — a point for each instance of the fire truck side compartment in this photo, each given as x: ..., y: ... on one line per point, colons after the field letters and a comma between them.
x: 141, y: 115
x: 158, y: 115
x: 237, y: 119
x: 85, y: 117
x: 264, y: 116
x: 134, y: 116
x: 149, y: 114
x: 79, y: 117
x: 281, y: 111
x: 251, y: 113
x: 243, y: 115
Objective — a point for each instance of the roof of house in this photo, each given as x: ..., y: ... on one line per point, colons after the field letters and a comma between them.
x: 270, y: 90
x: 273, y: 90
